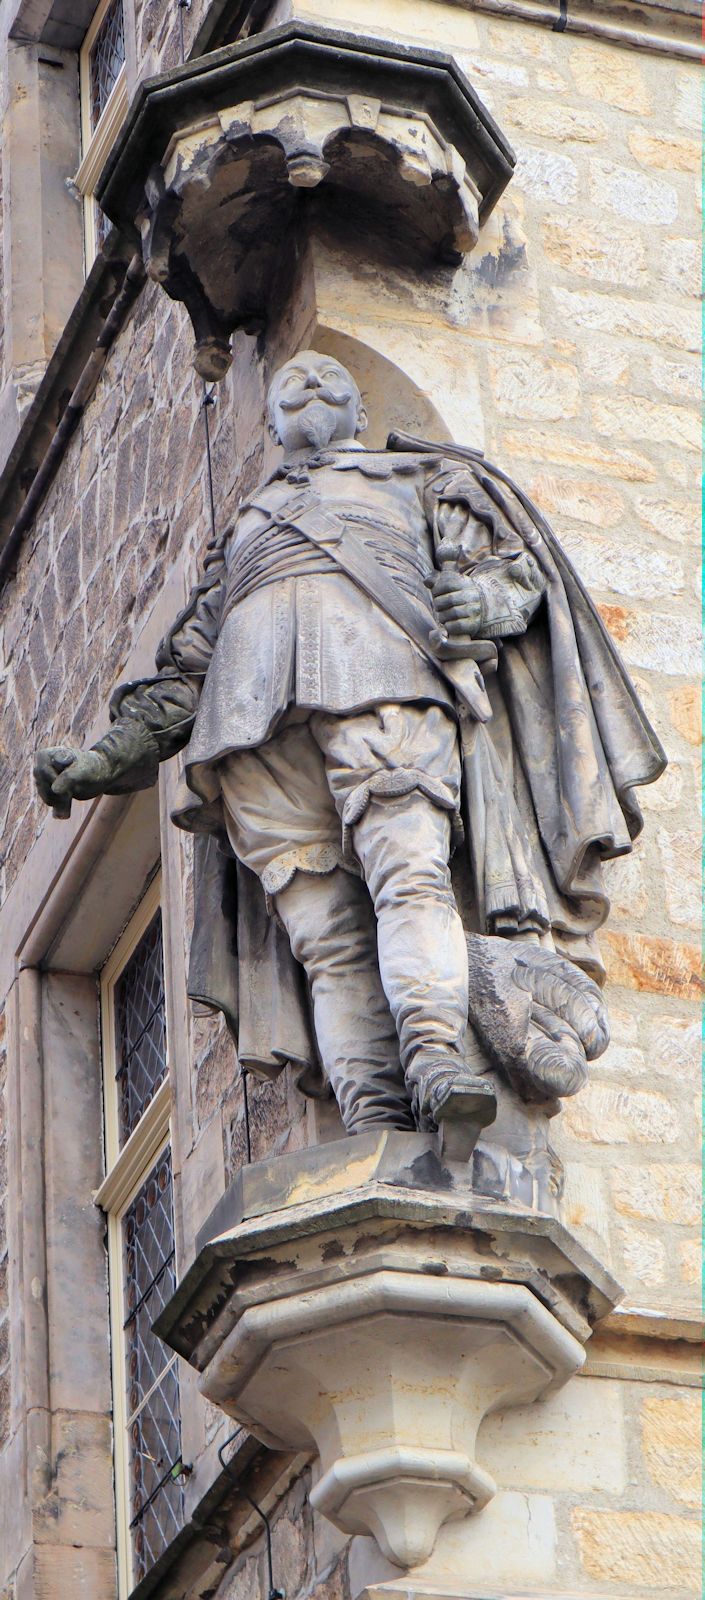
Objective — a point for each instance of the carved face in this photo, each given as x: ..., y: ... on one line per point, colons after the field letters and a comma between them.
x: 312, y: 400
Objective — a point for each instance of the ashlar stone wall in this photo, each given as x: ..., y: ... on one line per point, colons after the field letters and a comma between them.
x: 572, y: 352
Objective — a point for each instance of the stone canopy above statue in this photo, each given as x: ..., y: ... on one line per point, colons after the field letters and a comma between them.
x: 224, y: 160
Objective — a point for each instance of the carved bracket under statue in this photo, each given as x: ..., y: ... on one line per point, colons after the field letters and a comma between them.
x: 220, y: 164
x: 359, y: 1302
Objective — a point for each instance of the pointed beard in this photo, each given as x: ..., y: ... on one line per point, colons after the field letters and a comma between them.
x: 317, y: 423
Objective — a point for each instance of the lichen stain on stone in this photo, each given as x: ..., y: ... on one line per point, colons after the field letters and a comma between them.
x: 332, y: 1250
x: 495, y: 269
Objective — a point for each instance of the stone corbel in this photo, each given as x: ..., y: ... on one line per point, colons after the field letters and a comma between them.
x: 366, y: 1307
x: 223, y: 167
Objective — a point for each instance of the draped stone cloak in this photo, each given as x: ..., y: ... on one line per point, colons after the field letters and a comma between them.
x: 548, y: 793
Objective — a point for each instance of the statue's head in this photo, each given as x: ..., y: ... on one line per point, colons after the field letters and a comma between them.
x: 313, y: 400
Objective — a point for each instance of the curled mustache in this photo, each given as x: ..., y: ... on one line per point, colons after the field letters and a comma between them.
x: 310, y: 396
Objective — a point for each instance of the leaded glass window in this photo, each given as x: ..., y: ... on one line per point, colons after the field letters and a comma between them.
x: 139, y: 1204
x: 106, y: 58
x: 140, y: 1027
x: 104, y: 102
x: 154, y: 1427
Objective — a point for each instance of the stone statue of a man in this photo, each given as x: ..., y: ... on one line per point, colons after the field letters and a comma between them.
x: 411, y: 738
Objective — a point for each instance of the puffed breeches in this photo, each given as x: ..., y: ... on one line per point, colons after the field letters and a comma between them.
x: 347, y: 823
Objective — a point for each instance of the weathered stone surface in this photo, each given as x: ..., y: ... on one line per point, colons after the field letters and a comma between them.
x: 634, y: 416
x: 627, y: 888
x: 546, y: 176
x: 671, y: 1444
x: 554, y: 445
x: 585, y: 499
x: 526, y: 386
x: 658, y: 966
x: 612, y: 76
x: 631, y: 1547
x: 606, y: 364
x: 690, y: 1256
x: 643, y: 1257
x: 561, y: 122
x: 649, y: 641
x: 688, y: 111
x: 614, y: 256
x: 672, y: 155
x: 686, y: 712
x: 578, y: 1434
x: 639, y: 319
x: 681, y: 857
x: 676, y: 1046
x: 671, y: 790
x: 604, y: 1115
x: 678, y: 379
x: 658, y: 1193
x: 609, y: 565
x: 680, y: 265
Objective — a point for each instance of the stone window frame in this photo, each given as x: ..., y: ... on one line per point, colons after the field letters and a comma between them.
x: 97, y: 142
x: 127, y: 1168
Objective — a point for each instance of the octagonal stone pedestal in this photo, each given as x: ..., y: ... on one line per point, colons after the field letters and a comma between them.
x: 360, y: 1303
x: 227, y: 164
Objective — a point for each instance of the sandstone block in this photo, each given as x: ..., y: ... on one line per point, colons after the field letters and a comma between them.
x: 550, y: 81
x: 527, y: 387
x: 690, y: 1258
x: 688, y: 111
x: 670, y: 1427
x: 608, y: 256
x: 681, y: 857
x: 604, y: 1115
x: 681, y: 265
x: 679, y: 379
x: 414, y: 19
x: 623, y: 1061
x: 657, y: 966
x: 583, y: 499
x: 70, y: 1570
x: 670, y: 154
x: 636, y: 417
x: 565, y: 123
x: 674, y: 1045
x: 536, y: 1448
x: 637, y: 319
x: 646, y: 1549
x: 610, y: 564
x: 554, y: 445
x: 676, y: 519
x: 658, y: 1193
x: 524, y: 41
x: 82, y: 1508
x: 661, y: 642
x: 632, y: 194
x: 643, y: 1257
x: 513, y: 1544
x: 667, y: 794
x: 686, y: 712
x: 616, y: 620
x: 656, y: 642
x: 606, y: 364
x: 626, y: 887
x: 584, y: 1205
x: 547, y: 176
x: 486, y: 71
x: 612, y: 76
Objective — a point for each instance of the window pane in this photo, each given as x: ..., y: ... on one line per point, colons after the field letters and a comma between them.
x: 154, y: 1427
x: 106, y: 58
x: 140, y: 1028
x: 148, y: 1232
